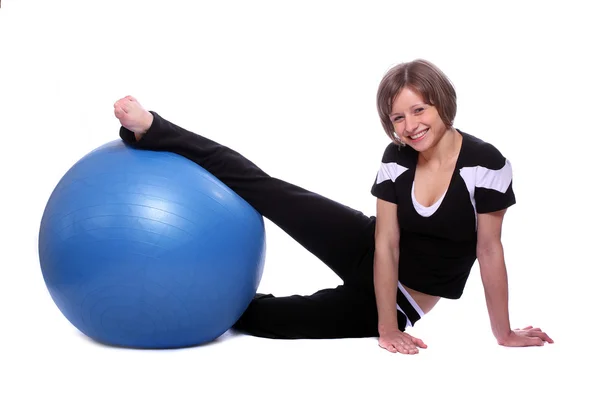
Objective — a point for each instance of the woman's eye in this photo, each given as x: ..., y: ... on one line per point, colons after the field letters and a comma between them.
x: 398, y: 118
x: 419, y: 110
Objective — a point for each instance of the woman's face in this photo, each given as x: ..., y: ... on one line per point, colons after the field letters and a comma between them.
x: 416, y: 123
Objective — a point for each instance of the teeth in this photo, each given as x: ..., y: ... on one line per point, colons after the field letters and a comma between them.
x: 418, y: 135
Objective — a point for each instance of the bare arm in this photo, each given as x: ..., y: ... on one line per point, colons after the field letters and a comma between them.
x: 385, y: 267
x: 385, y: 275
x: 490, y: 254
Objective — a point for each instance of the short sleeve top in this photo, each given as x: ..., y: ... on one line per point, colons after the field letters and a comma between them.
x: 438, y: 249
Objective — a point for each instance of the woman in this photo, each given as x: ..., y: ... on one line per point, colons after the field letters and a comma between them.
x: 441, y: 198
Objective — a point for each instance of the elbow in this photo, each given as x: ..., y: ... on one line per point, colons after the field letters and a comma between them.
x: 387, y: 255
x: 387, y: 246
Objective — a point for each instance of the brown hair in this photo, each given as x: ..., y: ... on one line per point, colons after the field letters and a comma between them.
x: 426, y: 79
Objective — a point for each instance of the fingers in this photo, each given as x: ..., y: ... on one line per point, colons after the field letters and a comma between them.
x: 541, y: 335
x: 524, y: 329
x: 526, y: 341
x: 390, y: 348
x: 399, y: 346
x: 535, y: 341
x: 409, y: 346
x: 538, y: 333
x: 419, y: 342
x: 530, y: 329
x: 404, y: 349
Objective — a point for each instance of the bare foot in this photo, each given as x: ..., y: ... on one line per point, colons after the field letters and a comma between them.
x: 133, y: 116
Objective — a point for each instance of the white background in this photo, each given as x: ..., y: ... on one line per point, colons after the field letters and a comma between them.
x: 292, y: 85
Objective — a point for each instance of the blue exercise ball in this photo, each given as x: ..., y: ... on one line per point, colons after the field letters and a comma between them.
x: 146, y: 249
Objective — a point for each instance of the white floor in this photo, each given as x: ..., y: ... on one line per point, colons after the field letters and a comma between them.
x: 267, y: 76
x: 45, y: 354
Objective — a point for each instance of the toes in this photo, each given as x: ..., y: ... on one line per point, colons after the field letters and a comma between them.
x: 119, y: 105
x: 125, y: 106
x: 125, y: 103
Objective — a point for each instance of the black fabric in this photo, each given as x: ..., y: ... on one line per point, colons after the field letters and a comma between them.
x: 339, y: 236
x: 438, y: 251
x: 404, y: 304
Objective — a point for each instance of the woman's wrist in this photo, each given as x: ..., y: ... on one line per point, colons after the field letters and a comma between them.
x: 502, y: 337
x: 387, y: 326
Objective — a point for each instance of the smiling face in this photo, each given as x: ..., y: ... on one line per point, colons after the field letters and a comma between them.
x: 415, y: 122
x: 406, y: 86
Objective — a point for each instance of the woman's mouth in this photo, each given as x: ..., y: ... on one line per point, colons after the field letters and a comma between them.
x: 418, y: 136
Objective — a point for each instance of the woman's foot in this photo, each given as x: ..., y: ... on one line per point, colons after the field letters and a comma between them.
x: 133, y: 116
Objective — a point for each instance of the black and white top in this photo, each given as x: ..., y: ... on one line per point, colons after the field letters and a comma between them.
x: 438, y: 243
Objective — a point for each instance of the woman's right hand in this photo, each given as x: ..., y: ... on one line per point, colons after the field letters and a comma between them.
x: 397, y: 341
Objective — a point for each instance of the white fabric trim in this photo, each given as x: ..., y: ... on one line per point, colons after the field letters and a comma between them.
x: 408, y: 323
x: 468, y: 175
x: 390, y: 171
x: 496, y: 179
x: 411, y: 300
x: 481, y: 177
x: 421, y: 209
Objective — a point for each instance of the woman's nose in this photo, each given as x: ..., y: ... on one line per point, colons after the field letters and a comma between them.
x: 411, y: 124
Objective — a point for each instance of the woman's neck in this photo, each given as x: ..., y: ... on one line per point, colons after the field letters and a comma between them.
x: 445, y: 150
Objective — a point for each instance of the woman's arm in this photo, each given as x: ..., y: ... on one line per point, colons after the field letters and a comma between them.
x: 385, y: 275
x: 385, y: 266
x: 490, y: 254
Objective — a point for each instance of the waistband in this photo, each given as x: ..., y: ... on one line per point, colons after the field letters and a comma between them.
x: 408, y: 306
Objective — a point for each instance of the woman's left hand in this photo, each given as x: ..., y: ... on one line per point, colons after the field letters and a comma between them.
x: 528, y: 336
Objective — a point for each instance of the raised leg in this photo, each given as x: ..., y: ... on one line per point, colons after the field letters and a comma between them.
x: 336, y: 234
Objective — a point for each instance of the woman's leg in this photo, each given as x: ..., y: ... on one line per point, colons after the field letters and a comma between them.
x: 347, y: 311
x: 336, y: 234
x: 342, y: 312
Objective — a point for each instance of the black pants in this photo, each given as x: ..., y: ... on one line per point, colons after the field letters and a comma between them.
x: 339, y: 236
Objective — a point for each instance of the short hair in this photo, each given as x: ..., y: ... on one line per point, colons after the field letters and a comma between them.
x: 422, y: 77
